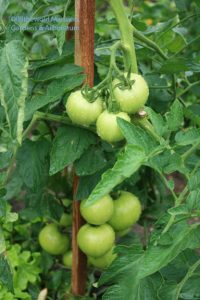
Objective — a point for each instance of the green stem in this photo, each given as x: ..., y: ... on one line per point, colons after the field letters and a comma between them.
x: 149, y: 42
x: 59, y: 119
x: 112, y: 66
x: 178, y: 201
x: 144, y: 123
x: 127, y: 39
x: 188, y: 88
x: 189, y: 274
x: 192, y: 149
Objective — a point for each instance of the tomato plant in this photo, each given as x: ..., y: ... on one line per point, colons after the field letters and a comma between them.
x: 136, y: 130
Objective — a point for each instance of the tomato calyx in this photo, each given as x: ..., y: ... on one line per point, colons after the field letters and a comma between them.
x: 125, y: 81
x: 89, y: 94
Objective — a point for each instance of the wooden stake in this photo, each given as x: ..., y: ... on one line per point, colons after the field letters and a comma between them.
x: 84, y: 56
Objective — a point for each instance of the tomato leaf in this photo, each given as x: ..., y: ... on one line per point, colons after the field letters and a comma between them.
x: 137, y: 136
x: 5, y: 274
x: 90, y: 162
x: 175, y: 117
x: 55, y: 90
x: 33, y: 163
x: 128, y: 162
x: 14, y: 86
x: 68, y: 146
x: 128, y: 271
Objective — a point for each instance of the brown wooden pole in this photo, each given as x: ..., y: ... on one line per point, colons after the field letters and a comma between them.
x: 84, y: 56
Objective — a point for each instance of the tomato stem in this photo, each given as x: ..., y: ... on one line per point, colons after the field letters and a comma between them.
x: 127, y: 39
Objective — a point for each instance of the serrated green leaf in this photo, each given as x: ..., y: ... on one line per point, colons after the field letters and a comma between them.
x: 179, y: 64
x: 179, y: 210
x: 135, y: 135
x: 5, y: 274
x: 68, y: 146
x: 87, y: 184
x: 33, y: 163
x: 128, y: 162
x: 188, y: 136
x: 92, y: 161
x: 175, y: 117
x: 55, y: 90
x: 56, y: 71
x: 194, y: 181
x: 182, y: 5
x: 192, y: 200
x: 157, y: 121
x: 167, y: 162
x: 128, y: 271
x: 13, y: 90
x: 177, y: 43
x: 54, y: 58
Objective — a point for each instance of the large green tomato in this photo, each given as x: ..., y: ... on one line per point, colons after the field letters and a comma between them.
x: 81, y: 111
x: 107, y: 127
x: 67, y: 259
x: 66, y: 220
x: 98, y: 213
x: 52, y: 240
x: 131, y: 100
x: 95, y: 241
x: 127, y: 210
x: 104, y: 261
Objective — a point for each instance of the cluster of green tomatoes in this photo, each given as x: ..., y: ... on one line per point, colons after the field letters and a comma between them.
x: 129, y: 93
x: 106, y: 218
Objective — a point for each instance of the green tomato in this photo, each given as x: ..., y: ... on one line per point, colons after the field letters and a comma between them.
x: 67, y: 259
x: 131, y: 100
x: 52, y: 240
x: 127, y: 210
x: 66, y: 220
x: 95, y: 241
x: 98, y: 213
x: 82, y: 112
x: 104, y: 261
x: 107, y: 127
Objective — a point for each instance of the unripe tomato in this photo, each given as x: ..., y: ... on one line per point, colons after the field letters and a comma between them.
x: 52, y: 240
x: 95, y: 241
x: 66, y: 220
x: 107, y: 127
x: 67, y: 259
x: 131, y: 100
x: 104, y: 261
x: 127, y: 210
x: 99, y: 212
x: 82, y: 112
